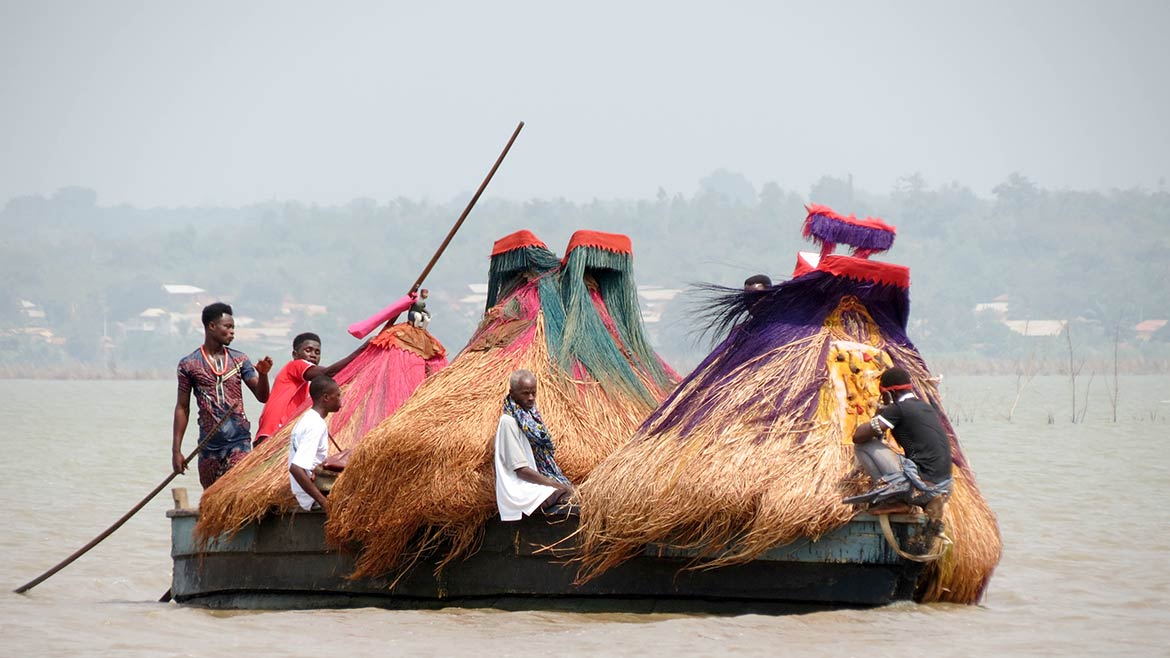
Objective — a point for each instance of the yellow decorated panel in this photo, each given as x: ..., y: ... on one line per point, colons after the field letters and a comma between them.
x: 852, y: 394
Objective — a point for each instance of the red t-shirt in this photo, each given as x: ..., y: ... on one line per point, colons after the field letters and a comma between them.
x: 289, y: 393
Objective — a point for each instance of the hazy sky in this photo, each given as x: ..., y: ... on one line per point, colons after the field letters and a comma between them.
x: 180, y: 103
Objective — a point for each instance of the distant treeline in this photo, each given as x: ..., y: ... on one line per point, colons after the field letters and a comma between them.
x: 1100, y: 260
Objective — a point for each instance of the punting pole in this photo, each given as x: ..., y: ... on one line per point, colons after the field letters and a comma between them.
x: 125, y: 517
x: 467, y: 210
x: 390, y: 313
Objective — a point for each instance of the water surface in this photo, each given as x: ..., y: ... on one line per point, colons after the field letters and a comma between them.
x: 1082, y: 508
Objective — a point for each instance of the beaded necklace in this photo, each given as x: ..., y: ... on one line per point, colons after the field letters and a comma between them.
x: 220, y: 375
x: 211, y: 362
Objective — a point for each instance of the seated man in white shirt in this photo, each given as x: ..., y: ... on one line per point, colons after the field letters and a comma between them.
x: 309, y: 443
x: 527, y: 475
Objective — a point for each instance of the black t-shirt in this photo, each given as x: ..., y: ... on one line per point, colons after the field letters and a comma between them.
x: 916, y: 427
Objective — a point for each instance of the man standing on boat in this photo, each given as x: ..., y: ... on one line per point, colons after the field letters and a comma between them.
x: 214, y: 373
x: 923, y: 476
x: 527, y: 475
x: 290, y: 389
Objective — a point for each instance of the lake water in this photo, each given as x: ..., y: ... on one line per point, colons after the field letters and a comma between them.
x: 1082, y: 508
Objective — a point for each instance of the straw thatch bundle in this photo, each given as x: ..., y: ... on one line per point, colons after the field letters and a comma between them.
x: 424, y: 476
x: 373, y: 386
x: 753, y: 449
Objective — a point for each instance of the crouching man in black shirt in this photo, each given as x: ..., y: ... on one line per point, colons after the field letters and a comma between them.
x: 923, y: 476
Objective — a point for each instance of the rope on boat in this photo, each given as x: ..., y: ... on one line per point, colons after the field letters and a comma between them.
x: 943, y: 542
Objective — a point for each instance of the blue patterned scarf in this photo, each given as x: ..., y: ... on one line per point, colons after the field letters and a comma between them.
x: 538, y: 437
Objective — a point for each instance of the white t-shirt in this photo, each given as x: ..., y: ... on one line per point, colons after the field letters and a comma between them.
x: 307, y: 447
x: 515, y: 497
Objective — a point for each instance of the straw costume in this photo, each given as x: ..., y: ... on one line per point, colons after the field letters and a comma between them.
x: 423, y: 480
x: 754, y: 448
x: 373, y: 386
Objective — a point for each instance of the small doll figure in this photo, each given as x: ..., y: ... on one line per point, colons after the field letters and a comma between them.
x: 418, y: 316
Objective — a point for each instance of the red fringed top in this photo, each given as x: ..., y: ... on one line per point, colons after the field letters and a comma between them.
x: 614, y: 242
x: 863, y: 269
x: 869, y: 222
x: 409, y: 338
x: 518, y: 240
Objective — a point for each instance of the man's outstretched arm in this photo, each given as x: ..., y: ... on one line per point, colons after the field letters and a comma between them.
x: 331, y: 370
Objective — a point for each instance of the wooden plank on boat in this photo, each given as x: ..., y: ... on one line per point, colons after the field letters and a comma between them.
x: 179, y: 494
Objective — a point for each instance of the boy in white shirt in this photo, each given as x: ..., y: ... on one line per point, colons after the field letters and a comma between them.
x: 309, y: 443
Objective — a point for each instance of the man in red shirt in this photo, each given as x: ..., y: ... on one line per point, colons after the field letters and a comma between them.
x: 290, y: 390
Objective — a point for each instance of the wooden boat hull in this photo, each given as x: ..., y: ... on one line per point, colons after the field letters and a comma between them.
x: 283, y: 562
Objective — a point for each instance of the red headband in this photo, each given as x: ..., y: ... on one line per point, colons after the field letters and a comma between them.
x: 896, y: 387
x: 615, y: 242
x: 517, y: 240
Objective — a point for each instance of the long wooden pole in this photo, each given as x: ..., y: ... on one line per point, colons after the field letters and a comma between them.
x: 418, y: 282
x: 125, y: 517
x: 166, y: 597
x: 466, y: 211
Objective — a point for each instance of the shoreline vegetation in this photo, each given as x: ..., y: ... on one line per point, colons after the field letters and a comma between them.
x: 1023, y: 281
x: 941, y: 365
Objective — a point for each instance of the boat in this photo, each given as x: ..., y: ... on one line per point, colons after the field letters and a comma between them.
x: 284, y: 562
x: 752, y: 471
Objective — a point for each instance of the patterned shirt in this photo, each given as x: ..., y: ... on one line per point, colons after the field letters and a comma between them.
x: 217, y: 391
